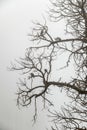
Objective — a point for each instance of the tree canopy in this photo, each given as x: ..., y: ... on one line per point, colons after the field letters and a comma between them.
x: 38, y: 64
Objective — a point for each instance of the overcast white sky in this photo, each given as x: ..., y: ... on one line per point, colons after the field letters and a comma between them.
x: 15, y: 23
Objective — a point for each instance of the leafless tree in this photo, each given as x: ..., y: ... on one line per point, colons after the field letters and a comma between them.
x: 38, y: 65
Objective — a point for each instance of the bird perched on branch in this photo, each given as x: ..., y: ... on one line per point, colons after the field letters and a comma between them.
x: 32, y: 75
x: 57, y: 39
x: 45, y: 70
x: 43, y: 30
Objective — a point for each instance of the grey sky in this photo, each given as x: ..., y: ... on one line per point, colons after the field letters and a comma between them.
x: 15, y: 23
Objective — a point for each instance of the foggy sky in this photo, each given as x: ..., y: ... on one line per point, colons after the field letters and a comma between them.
x: 15, y: 23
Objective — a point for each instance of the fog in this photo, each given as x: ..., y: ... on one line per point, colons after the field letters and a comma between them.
x: 15, y: 21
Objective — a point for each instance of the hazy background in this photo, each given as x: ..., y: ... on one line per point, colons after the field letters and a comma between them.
x: 15, y: 23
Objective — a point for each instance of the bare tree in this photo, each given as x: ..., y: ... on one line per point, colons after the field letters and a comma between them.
x: 38, y: 65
